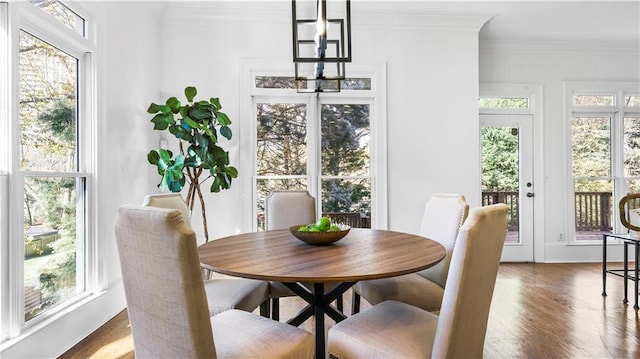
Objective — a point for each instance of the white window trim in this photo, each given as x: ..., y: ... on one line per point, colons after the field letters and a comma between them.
x: 617, y: 171
x: 23, y: 16
x: 378, y: 123
x: 5, y: 115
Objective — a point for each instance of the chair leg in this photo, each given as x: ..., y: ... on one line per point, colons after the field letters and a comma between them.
x: 206, y: 273
x: 355, y: 303
x: 339, y: 304
x: 265, y: 308
x: 275, y: 309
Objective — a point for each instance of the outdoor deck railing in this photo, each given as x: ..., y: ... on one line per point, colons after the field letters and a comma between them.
x: 594, y: 211
x: 510, y: 199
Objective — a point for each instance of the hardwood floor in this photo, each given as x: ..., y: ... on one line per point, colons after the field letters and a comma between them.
x: 538, y: 311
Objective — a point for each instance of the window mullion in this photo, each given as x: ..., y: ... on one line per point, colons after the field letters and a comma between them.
x: 4, y: 166
x: 617, y: 153
x: 314, y: 161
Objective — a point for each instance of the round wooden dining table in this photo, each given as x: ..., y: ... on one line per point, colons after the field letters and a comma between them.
x: 278, y: 256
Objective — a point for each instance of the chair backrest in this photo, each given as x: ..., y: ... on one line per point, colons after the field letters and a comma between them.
x: 462, y: 324
x: 443, y: 216
x: 284, y: 209
x: 166, y: 300
x: 171, y: 201
x: 626, y: 205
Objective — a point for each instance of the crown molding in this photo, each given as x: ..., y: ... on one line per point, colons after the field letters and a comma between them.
x: 566, y: 46
x: 364, y: 14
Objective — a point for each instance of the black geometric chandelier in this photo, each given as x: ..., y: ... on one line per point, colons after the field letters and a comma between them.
x: 321, y: 43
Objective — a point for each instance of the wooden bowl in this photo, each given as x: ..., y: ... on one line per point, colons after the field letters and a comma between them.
x: 319, y: 238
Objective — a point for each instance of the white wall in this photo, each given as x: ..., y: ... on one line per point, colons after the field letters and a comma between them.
x: 432, y: 87
x: 129, y: 40
x: 132, y: 77
x: 550, y: 65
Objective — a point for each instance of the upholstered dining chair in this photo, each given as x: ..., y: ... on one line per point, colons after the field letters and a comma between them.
x: 169, y: 200
x: 223, y: 292
x: 167, y: 302
x: 394, y: 329
x: 443, y: 215
x: 283, y: 209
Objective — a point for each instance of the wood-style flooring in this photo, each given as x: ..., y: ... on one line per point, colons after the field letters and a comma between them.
x: 538, y: 311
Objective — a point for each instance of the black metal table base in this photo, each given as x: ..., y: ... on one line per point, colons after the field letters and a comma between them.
x: 624, y: 272
x: 319, y: 305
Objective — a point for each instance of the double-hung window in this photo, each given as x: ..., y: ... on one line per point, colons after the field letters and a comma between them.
x: 330, y: 145
x: 49, y: 161
x: 604, y: 124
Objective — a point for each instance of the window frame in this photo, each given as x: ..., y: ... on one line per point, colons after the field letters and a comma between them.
x: 376, y: 98
x: 617, y: 112
x: 31, y: 19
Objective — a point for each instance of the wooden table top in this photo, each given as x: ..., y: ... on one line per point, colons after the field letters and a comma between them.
x: 279, y: 256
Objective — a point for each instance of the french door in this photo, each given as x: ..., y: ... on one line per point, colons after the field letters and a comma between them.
x: 507, y: 177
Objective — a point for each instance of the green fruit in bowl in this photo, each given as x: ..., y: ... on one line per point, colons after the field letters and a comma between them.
x: 303, y: 229
x: 315, y: 229
x: 334, y: 228
x: 323, y: 224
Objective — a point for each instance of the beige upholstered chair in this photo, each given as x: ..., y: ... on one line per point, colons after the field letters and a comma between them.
x: 284, y: 209
x: 171, y: 201
x: 393, y: 329
x: 167, y: 303
x: 443, y: 216
x: 223, y: 292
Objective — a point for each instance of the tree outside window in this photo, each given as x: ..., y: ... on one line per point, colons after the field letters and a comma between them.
x: 49, y: 164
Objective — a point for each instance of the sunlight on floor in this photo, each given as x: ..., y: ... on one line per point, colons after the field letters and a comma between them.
x: 121, y: 348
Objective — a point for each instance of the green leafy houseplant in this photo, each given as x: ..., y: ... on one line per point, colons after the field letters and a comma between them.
x: 196, y: 125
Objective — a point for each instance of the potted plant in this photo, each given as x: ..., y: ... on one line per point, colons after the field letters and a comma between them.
x: 197, y: 125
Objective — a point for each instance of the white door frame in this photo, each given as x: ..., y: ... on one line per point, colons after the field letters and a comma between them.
x: 523, y: 250
x: 534, y: 92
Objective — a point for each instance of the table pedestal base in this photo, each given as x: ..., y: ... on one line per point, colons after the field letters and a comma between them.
x: 319, y: 305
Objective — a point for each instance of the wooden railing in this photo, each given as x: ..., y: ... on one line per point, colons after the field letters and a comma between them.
x: 352, y: 219
x: 594, y: 210
x: 508, y: 198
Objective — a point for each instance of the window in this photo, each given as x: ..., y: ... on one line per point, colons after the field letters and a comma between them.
x: 53, y: 211
x: 63, y: 14
x: 605, y: 155
x: 503, y: 102
x: 323, y: 144
x: 50, y: 164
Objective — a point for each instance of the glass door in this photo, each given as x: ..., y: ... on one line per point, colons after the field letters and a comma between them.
x: 507, y: 177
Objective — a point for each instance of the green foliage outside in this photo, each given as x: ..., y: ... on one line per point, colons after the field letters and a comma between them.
x: 500, y: 157
x: 503, y: 102
x: 48, y: 130
x: 345, y: 152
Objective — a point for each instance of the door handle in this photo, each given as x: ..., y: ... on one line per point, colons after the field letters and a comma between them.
x: 530, y: 194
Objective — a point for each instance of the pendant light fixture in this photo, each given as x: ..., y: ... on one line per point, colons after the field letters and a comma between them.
x: 321, y: 43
